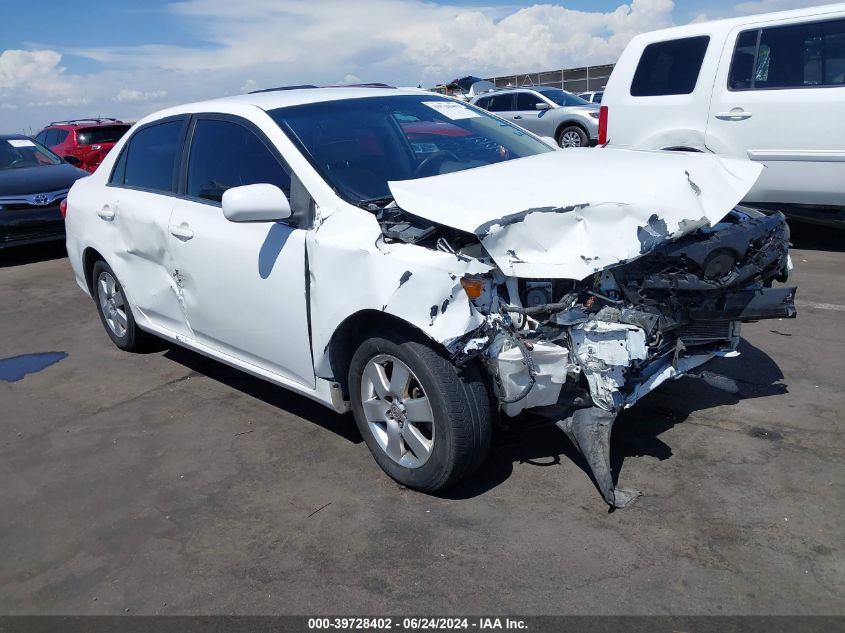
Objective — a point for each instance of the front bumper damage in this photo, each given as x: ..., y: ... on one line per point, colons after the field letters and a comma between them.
x: 583, y: 351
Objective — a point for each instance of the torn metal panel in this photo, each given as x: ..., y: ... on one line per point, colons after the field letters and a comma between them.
x: 552, y: 221
x: 352, y: 269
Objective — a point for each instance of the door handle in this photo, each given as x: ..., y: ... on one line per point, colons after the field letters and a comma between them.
x: 106, y: 213
x: 737, y: 114
x: 517, y: 117
x: 183, y: 232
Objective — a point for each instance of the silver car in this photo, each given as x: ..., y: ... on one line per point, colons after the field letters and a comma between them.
x: 552, y: 112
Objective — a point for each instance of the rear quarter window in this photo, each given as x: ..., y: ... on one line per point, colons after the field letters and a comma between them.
x: 669, y: 68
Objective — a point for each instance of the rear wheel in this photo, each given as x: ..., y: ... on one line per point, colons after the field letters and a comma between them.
x: 115, y: 312
x: 426, y: 422
x: 572, y: 136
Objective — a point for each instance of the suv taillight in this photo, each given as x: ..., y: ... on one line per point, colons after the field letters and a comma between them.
x: 603, y: 125
x: 63, y: 208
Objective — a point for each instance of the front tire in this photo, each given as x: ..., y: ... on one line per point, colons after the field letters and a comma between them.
x: 426, y: 422
x: 115, y: 312
x: 572, y: 136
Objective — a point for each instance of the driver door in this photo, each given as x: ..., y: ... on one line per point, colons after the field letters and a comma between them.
x: 243, y: 283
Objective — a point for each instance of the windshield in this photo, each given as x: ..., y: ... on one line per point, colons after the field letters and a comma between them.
x: 562, y: 98
x: 23, y: 152
x: 358, y: 145
x: 101, y: 134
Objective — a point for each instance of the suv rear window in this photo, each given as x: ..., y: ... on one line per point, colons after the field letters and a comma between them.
x: 796, y: 56
x: 100, y: 134
x: 669, y: 68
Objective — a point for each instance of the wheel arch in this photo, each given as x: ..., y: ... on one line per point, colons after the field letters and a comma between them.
x: 90, y: 256
x: 349, y: 334
x: 570, y: 123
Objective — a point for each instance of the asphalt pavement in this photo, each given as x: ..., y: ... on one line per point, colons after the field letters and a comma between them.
x: 169, y: 483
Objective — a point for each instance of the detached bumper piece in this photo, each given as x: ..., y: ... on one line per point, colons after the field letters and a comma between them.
x: 589, y: 429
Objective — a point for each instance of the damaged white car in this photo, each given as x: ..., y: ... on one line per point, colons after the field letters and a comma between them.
x: 424, y: 263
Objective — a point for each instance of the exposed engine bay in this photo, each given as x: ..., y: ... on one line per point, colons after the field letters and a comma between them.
x: 584, y: 350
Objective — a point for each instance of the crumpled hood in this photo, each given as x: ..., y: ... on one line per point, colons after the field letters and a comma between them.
x: 570, y: 213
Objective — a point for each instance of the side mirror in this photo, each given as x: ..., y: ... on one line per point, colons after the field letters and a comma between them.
x: 73, y: 160
x: 256, y: 203
x: 541, y: 106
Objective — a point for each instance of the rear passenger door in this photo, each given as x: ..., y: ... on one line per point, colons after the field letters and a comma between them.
x: 528, y: 116
x: 502, y: 105
x: 778, y: 99
x: 243, y: 284
x: 132, y: 222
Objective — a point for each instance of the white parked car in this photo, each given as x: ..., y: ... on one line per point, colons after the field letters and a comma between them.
x: 769, y: 88
x: 423, y: 263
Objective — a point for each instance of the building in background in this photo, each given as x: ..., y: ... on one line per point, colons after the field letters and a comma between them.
x: 585, y: 79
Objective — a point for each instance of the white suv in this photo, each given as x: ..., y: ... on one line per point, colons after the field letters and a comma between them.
x: 424, y: 263
x: 769, y: 88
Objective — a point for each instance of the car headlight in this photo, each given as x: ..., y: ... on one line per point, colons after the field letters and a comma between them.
x: 595, y: 115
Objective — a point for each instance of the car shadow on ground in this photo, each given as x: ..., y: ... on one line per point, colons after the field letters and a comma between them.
x: 529, y: 439
x: 636, y: 432
x: 813, y: 237
x: 31, y: 254
x: 279, y: 397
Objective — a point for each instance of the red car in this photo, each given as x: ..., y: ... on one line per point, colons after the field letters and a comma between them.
x: 83, y: 142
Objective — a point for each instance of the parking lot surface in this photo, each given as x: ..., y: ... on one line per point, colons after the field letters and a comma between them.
x: 169, y: 483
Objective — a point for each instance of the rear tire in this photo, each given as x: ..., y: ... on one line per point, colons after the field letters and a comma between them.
x: 395, y: 384
x: 572, y: 136
x: 115, y: 312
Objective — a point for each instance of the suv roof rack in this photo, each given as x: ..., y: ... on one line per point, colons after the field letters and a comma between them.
x: 98, y: 119
x: 302, y: 87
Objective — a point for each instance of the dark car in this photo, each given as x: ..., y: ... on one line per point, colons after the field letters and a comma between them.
x: 84, y: 140
x: 33, y: 183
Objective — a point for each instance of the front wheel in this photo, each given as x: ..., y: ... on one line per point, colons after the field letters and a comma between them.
x: 572, y: 136
x: 426, y: 422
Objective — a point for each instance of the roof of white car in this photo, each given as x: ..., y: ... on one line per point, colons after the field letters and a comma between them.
x: 273, y: 99
x: 714, y: 26
x: 281, y: 98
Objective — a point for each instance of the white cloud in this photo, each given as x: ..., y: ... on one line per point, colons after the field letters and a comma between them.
x: 21, y: 68
x: 251, y: 44
x: 137, y: 96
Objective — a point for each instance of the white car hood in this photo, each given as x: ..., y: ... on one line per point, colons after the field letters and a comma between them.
x: 570, y: 213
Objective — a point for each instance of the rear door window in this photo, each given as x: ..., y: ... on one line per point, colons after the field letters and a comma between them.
x: 225, y: 154
x: 808, y: 55
x: 501, y: 103
x: 527, y: 101
x: 149, y: 162
x: 669, y: 68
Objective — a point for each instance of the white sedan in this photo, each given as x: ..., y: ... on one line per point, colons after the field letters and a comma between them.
x: 424, y: 263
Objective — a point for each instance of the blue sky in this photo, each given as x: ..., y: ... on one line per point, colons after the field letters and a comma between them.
x: 123, y: 58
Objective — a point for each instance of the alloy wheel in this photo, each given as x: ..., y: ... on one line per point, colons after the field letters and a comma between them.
x: 397, y: 411
x: 112, y: 303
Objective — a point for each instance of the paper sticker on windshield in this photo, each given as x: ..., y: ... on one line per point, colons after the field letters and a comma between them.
x: 20, y: 142
x: 452, y: 110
